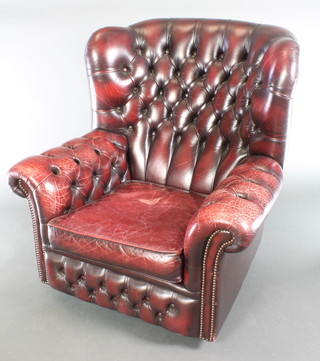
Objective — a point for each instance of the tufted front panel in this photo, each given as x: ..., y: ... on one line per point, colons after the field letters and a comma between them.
x: 193, y: 96
x: 125, y: 294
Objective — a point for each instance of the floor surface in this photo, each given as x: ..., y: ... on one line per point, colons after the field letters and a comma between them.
x: 275, y: 317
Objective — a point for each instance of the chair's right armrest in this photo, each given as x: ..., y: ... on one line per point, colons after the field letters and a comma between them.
x: 69, y: 176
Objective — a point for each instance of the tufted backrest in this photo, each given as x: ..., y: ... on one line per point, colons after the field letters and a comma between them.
x: 193, y: 96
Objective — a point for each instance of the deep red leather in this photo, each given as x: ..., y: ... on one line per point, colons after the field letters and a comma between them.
x: 67, y: 177
x: 139, y: 226
x: 193, y: 97
x: 181, y: 107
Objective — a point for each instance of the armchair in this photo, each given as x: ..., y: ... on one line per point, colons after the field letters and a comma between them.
x: 158, y: 211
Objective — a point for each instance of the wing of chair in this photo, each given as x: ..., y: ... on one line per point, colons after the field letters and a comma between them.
x: 158, y: 211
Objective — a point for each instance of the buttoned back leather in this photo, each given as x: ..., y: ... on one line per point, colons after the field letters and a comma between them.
x: 194, y: 97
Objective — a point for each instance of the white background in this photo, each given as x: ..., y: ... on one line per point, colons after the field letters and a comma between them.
x: 44, y: 101
x: 43, y: 84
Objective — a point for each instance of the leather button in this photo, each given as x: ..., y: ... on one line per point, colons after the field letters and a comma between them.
x: 185, y: 95
x: 55, y: 170
x: 76, y: 160
x: 125, y: 292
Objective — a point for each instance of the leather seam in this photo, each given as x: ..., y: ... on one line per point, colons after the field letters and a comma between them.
x: 43, y: 277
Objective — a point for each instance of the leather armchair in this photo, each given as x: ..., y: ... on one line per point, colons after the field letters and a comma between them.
x: 158, y: 211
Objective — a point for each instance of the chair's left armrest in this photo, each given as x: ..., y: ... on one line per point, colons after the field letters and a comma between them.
x: 231, y: 215
x: 67, y: 177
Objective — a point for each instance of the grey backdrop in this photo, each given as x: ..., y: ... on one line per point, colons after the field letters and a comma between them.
x: 44, y: 102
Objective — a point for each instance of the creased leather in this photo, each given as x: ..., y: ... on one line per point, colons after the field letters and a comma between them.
x: 67, y: 177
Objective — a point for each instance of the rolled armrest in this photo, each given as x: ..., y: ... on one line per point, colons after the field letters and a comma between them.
x: 232, y: 214
x: 67, y: 177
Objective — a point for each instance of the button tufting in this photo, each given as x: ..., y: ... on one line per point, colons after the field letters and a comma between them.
x: 185, y: 94
x: 67, y: 210
x: 125, y: 292
x: 220, y: 56
x: 172, y: 307
x: 119, y: 109
x: 135, y: 89
x: 74, y: 184
x: 126, y: 69
x: 76, y: 160
x: 55, y: 170
x: 159, y: 315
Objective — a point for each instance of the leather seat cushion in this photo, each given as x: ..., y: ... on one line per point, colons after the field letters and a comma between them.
x: 139, y: 226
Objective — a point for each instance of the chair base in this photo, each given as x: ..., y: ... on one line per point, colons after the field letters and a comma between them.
x: 126, y: 294
x: 158, y: 302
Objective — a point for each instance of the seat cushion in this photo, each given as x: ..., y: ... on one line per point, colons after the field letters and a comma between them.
x: 139, y: 226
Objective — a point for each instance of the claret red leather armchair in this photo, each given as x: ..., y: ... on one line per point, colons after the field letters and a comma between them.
x: 158, y: 211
